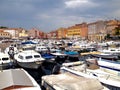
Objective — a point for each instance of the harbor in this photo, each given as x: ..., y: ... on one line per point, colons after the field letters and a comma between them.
x: 60, y: 45
x: 61, y: 59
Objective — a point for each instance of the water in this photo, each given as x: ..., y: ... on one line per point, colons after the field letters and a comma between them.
x: 45, y: 69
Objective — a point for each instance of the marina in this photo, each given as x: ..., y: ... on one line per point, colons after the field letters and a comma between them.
x: 66, y: 61
x: 60, y: 45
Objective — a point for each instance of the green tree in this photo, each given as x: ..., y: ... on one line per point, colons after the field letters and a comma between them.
x: 3, y: 27
x: 117, y: 31
x: 107, y: 36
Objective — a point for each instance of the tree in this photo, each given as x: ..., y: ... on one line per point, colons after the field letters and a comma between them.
x: 107, y: 36
x: 3, y: 27
x: 117, y: 31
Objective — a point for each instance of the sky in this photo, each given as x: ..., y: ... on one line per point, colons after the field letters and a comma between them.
x: 49, y: 15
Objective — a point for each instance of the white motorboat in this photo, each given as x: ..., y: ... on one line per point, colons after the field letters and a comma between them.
x: 29, y: 59
x: 41, y: 48
x: 68, y: 81
x: 53, y: 49
x: 93, y: 71
x: 5, y: 61
x: 105, y: 56
x: 106, y: 61
x: 114, y: 51
x: 109, y: 65
x: 17, y: 79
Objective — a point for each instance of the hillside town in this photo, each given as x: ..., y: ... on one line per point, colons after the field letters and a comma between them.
x: 96, y: 31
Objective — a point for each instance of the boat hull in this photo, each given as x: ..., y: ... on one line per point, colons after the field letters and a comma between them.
x: 106, y: 57
x: 109, y: 65
x: 30, y: 65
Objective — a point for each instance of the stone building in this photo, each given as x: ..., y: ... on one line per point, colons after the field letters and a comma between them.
x: 97, y: 30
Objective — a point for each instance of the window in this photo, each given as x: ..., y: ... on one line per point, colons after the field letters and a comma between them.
x: 4, y: 59
x: 21, y: 57
x: 112, y: 50
x: 36, y: 56
x: 28, y: 57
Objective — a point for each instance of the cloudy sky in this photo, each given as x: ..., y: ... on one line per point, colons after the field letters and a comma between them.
x: 48, y: 15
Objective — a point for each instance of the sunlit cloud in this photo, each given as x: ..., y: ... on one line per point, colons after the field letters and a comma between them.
x: 79, y: 3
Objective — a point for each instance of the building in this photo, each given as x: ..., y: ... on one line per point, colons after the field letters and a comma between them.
x: 111, y: 25
x: 73, y: 31
x: 77, y: 31
x: 61, y: 33
x: 12, y: 32
x: 84, y: 30
x: 97, y: 30
x: 4, y: 35
x: 23, y: 34
x: 53, y: 34
x: 36, y: 33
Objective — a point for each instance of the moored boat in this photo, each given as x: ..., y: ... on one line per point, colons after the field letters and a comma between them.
x: 74, y: 82
x: 111, y: 65
x: 5, y: 61
x: 41, y: 48
x: 17, y: 79
x: 93, y: 71
x: 105, y: 56
x: 113, y: 51
x: 29, y: 59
